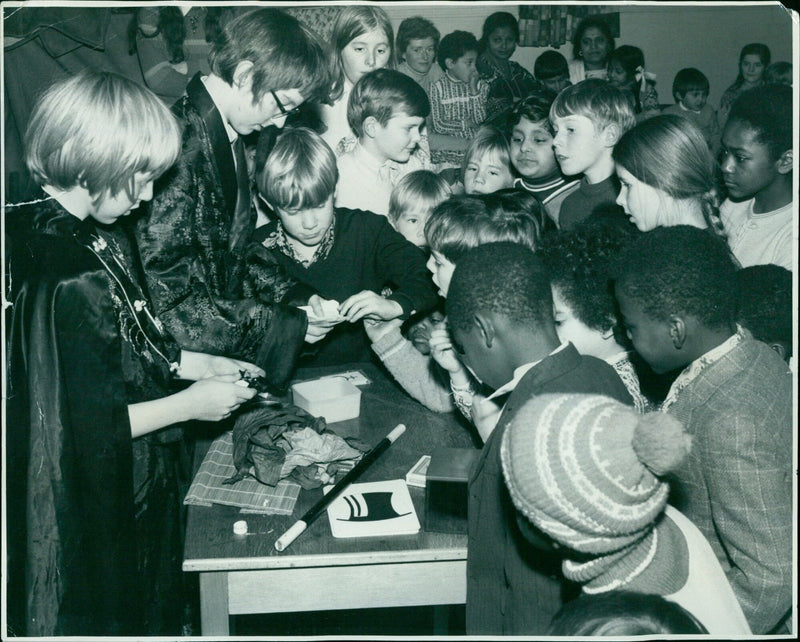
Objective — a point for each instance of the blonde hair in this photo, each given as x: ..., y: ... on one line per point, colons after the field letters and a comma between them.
x: 300, y: 171
x: 599, y: 101
x: 97, y: 130
x: 488, y: 140
x: 419, y: 191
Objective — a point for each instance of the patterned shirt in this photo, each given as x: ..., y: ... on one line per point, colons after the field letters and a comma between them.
x: 454, y: 110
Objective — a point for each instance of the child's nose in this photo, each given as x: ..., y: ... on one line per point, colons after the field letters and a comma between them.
x: 309, y: 221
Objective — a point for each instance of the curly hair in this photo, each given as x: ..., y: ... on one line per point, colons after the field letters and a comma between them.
x: 504, y: 278
x: 767, y: 110
x: 680, y: 270
x: 579, y: 263
x: 765, y: 302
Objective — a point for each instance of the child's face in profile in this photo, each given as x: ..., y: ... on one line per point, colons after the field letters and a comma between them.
x: 570, y: 328
x: 420, y: 54
x: 110, y: 208
x: 557, y: 83
x: 646, y: 206
x: 694, y: 99
x: 307, y: 226
x: 398, y: 138
x: 463, y: 68
x: 748, y: 167
x: 531, y: 149
x: 486, y: 174
x: 650, y: 337
x: 246, y: 116
x: 411, y: 224
x: 441, y: 270
x: 578, y: 145
x: 365, y: 53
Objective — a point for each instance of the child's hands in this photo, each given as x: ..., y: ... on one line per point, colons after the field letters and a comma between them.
x: 376, y: 330
x: 442, y: 350
x: 215, y: 398
x: 322, y: 315
x: 473, y: 82
x: 369, y: 305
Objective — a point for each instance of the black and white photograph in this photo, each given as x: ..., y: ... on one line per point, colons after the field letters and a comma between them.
x: 399, y: 320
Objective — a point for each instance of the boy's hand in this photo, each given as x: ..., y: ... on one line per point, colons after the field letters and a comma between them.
x: 323, y: 315
x: 369, y: 305
x: 199, y: 365
x: 376, y: 330
x: 442, y: 350
x: 473, y: 82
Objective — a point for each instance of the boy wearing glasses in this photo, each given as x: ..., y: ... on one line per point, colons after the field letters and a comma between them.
x: 264, y: 64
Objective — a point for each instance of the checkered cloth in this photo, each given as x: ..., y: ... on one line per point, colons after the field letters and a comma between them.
x: 249, y: 494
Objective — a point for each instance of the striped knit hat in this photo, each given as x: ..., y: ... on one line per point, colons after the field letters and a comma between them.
x: 583, y: 469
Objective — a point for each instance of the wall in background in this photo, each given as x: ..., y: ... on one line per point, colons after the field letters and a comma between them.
x: 672, y: 37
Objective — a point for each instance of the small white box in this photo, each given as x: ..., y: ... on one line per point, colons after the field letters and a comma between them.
x: 331, y: 397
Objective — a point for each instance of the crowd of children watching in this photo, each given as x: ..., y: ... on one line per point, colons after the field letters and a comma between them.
x: 602, y: 289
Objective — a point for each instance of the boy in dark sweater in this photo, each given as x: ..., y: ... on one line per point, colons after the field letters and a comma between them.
x: 500, y: 313
x: 347, y: 256
x: 588, y: 119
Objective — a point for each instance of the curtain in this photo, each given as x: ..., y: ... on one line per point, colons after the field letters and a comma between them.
x: 553, y: 25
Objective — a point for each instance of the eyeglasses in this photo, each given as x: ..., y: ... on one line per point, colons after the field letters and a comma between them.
x: 284, y: 112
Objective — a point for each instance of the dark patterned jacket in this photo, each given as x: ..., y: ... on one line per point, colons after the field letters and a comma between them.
x: 192, y: 249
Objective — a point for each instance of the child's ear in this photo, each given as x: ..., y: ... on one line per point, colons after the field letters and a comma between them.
x: 243, y: 75
x: 611, y: 134
x: 785, y: 162
x: 485, y: 328
x: 370, y: 126
x: 677, y: 331
x: 780, y: 348
x: 448, y: 63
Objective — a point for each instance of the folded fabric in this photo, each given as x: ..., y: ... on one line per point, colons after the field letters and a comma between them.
x: 275, y: 441
x: 249, y: 494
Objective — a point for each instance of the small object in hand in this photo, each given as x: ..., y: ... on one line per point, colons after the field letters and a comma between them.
x: 259, y: 383
x: 240, y: 527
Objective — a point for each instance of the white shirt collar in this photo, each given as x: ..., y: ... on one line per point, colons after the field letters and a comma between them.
x: 521, y: 372
x: 230, y: 131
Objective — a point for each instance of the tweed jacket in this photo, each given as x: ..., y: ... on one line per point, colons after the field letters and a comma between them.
x: 736, y: 483
x: 192, y: 242
x: 512, y: 587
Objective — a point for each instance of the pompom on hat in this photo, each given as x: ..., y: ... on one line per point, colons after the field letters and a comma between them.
x: 584, y: 469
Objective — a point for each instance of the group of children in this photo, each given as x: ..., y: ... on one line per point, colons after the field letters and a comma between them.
x: 558, y: 314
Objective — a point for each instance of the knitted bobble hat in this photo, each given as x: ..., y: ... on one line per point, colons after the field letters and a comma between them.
x: 571, y: 467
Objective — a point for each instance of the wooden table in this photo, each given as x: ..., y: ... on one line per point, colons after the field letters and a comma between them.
x: 241, y: 575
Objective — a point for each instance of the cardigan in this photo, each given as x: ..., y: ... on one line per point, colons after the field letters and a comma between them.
x: 512, y: 588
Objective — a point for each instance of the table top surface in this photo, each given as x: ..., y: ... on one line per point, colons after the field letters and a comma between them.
x: 212, y: 546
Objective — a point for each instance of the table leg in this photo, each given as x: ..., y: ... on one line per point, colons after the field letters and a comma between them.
x: 214, y: 619
x: 441, y: 619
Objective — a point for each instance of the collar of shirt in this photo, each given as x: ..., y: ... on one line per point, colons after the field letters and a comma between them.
x: 521, y: 372
x: 281, y: 241
x: 696, y: 367
x: 384, y: 169
x: 232, y: 133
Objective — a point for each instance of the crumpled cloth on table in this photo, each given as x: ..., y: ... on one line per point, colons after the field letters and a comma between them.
x: 275, y: 441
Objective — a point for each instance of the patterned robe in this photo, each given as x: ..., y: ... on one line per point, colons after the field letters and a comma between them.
x: 192, y: 242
